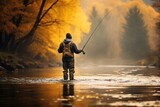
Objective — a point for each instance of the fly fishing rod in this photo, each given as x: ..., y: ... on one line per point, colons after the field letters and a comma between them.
x: 94, y: 31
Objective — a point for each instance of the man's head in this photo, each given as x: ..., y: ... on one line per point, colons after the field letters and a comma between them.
x: 68, y: 36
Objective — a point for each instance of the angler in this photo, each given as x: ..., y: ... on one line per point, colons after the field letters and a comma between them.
x: 68, y: 48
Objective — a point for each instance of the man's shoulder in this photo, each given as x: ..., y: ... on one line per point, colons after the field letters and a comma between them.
x: 62, y: 43
x: 72, y: 42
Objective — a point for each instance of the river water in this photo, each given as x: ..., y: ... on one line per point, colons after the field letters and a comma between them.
x: 94, y: 86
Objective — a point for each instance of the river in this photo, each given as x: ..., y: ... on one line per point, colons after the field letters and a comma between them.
x: 94, y: 86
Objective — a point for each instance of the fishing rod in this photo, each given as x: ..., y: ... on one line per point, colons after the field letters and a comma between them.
x: 95, y: 30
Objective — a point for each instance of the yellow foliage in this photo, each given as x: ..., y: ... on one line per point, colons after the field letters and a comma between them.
x: 68, y: 16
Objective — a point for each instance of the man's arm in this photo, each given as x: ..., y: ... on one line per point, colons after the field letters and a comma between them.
x: 60, y: 49
x: 75, y: 49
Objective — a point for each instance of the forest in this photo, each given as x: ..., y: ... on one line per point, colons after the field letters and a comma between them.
x: 31, y: 30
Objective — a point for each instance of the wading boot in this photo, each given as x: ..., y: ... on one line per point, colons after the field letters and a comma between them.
x: 65, y: 76
x: 71, y: 76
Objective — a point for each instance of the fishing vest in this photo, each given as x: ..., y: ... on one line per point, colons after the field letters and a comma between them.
x: 67, y: 50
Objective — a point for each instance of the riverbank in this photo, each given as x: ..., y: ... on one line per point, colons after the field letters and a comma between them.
x: 10, y: 63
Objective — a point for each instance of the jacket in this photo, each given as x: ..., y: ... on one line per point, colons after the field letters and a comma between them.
x: 73, y: 47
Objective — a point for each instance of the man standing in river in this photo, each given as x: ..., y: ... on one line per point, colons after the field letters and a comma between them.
x: 68, y: 48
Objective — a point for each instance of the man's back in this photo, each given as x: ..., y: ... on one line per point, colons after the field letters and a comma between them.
x: 73, y: 47
x: 68, y: 48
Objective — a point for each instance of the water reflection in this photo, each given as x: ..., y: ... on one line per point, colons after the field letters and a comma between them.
x: 68, y: 95
x: 68, y: 90
x: 75, y: 95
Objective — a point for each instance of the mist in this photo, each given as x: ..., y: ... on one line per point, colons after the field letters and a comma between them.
x: 125, y: 35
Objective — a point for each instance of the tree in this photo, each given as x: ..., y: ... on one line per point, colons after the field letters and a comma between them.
x: 14, y: 12
x: 27, y: 39
x: 9, y: 20
x: 157, y: 53
x: 37, y: 28
x: 98, y: 44
x: 134, y: 41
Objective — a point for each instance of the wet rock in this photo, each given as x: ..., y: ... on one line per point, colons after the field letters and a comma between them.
x: 12, y: 62
x: 25, y: 65
x: 2, y: 69
x: 19, y: 66
x: 9, y: 67
x: 40, y: 66
x: 51, y: 65
x: 31, y: 64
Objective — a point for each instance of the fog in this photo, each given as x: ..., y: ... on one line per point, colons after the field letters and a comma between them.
x: 127, y: 32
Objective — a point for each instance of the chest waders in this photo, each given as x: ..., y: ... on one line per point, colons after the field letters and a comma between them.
x: 68, y: 62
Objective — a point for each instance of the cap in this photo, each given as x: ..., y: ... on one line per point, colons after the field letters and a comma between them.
x: 68, y: 35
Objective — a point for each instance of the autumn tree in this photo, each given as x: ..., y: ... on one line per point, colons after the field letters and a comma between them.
x: 27, y: 39
x: 9, y: 20
x: 38, y: 26
x: 156, y: 5
x: 134, y: 42
x: 16, y: 11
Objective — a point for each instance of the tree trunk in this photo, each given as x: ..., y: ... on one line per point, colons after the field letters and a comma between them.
x: 0, y: 40
x: 5, y: 40
x: 27, y: 39
x: 16, y: 20
x: 11, y: 42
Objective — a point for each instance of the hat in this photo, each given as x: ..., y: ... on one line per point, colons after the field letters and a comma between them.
x: 68, y: 35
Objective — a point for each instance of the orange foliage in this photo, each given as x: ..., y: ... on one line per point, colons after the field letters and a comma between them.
x: 65, y: 16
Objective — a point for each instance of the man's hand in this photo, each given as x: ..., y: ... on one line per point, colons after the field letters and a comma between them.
x: 82, y: 51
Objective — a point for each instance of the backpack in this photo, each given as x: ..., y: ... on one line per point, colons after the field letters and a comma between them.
x: 67, y: 50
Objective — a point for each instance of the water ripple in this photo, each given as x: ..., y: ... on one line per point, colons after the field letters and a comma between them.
x: 111, y: 80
